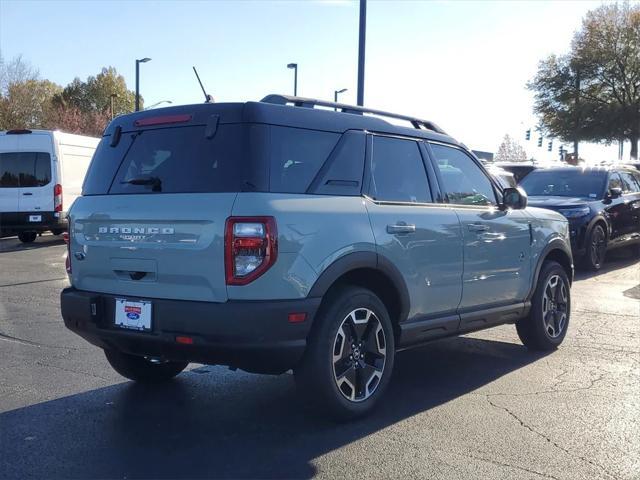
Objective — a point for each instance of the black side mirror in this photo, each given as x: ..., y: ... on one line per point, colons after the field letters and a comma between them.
x: 615, y: 192
x: 514, y: 198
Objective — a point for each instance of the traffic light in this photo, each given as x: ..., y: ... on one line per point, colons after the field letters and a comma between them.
x: 540, y: 142
x: 550, y: 147
x: 528, y: 135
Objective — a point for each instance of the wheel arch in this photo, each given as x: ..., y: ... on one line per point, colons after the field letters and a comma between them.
x: 369, y: 270
x: 557, y: 251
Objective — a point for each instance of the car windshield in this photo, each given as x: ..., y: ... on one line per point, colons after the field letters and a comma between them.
x: 565, y: 183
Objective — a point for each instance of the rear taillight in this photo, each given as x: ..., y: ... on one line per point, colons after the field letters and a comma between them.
x: 57, y: 198
x: 250, y: 248
x: 67, y: 262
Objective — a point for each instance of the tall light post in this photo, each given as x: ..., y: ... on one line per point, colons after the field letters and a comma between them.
x: 138, y: 62
x: 361, y: 49
x: 112, y: 97
x: 335, y: 95
x: 295, y: 77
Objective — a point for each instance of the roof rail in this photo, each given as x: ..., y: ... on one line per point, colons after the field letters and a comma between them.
x: 312, y: 103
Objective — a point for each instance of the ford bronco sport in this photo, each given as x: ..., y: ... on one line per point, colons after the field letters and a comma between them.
x: 281, y: 234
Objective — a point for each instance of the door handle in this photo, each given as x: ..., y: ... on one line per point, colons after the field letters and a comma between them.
x: 478, y: 227
x: 27, y: 193
x: 401, y: 228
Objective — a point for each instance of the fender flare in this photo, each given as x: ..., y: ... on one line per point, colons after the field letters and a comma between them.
x: 356, y: 260
x: 555, y: 244
x: 598, y: 218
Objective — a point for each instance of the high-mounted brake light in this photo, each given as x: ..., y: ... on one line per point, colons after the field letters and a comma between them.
x: 164, y: 119
x: 57, y: 198
x: 250, y: 248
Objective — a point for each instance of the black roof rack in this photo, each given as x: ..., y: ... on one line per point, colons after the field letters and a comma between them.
x: 312, y: 102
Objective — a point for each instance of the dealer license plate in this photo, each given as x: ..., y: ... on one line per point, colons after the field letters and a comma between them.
x: 133, y: 315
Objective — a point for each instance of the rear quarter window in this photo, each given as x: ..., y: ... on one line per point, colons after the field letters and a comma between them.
x: 296, y: 157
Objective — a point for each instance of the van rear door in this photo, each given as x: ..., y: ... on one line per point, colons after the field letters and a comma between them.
x: 37, y: 172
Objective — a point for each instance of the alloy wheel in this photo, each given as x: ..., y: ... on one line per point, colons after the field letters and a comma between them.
x: 359, y: 355
x: 598, y: 246
x: 555, y: 306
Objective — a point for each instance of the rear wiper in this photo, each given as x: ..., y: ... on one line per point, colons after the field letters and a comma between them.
x: 154, y: 182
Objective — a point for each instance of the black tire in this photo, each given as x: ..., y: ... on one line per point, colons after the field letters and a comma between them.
x: 57, y: 231
x: 141, y: 369
x: 332, y: 373
x: 27, y: 237
x: 596, y: 249
x: 543, y: 329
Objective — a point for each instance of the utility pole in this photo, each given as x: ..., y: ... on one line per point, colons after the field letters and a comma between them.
x: 113, y: 96
x: 577, y: 107
x: 361, y: 50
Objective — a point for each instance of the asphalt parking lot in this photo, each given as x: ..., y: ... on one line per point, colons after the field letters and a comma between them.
x: 480, y: 406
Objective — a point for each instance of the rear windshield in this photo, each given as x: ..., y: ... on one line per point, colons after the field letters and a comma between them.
x: 174, y: 160
x: 239, y: 157
x: 24, y: 169
x: 565, y: 183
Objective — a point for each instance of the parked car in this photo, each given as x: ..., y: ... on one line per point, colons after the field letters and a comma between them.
x: 601, y: 203
x: 275, y: 235
x: 38, y: 167
x: 519, y: 170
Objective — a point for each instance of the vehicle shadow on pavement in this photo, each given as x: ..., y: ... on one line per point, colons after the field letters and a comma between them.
x: 211, y: 422
x: 616, y: 259
x: 12, y: 244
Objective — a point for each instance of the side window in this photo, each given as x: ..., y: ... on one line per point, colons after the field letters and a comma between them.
x: 615, y: 181
x: 464, y: 182
x: 296, y: 157
x: 629, y: 183
x: 397, y: 171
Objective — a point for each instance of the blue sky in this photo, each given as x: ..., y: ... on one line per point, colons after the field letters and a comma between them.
x: 461, y: 64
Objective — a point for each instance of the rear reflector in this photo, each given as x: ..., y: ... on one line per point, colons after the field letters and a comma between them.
x: 184, y: 340
x: 165, y: 119
x: 297, y: 317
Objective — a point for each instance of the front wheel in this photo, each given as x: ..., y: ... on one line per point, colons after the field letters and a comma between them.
x: 546, y: 325
x: 596, y: 248
x: 143, y: 369
x: 350, y: 354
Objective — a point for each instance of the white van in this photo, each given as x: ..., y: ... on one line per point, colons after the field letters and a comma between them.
x: 41, y: 174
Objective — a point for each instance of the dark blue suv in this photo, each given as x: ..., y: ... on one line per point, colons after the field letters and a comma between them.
x: 601, y: 204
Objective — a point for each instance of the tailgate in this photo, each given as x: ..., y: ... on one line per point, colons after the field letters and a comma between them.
x: 151, y: 246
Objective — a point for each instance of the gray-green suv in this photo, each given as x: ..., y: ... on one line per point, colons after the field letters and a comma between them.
x: 279, y: 235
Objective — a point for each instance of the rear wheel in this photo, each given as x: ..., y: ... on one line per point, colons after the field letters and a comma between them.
x: 350, y: 354
x: 57, y: 231
x: 27, y: 237
x: 546, y: 325
x: 596, y: 248
x: 143, y: 369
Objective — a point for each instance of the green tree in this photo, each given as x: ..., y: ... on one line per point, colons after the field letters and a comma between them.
x: 25, y: 99
x: 94, y: 95
x: 593, y: 92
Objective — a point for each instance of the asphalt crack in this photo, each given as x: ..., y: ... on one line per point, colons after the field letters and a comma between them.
x: 32, y: 282
x: 548, y: 439
x: 509, y: 465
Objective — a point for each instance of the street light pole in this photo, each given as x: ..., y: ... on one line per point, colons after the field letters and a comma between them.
x: 361, y: 50
x: 112, y: 96
x: 295, y: 77
x: 335, y: 96
x: 138, y: 62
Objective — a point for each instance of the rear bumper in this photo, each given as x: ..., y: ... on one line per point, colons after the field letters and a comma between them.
x: 252, y: 335
x: 16, y: 222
